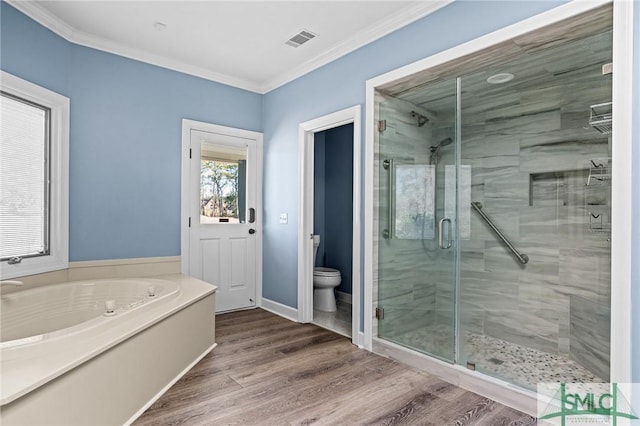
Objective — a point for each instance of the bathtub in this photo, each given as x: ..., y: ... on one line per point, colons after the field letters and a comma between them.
x: 69, y: 357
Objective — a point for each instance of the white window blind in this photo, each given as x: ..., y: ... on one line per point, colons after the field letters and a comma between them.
x: 24, y: 178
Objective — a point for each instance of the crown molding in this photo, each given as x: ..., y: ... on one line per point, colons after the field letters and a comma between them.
x: 120, y: 49
x: 69, y: 33
x: 43, y: 17
x: 366, y: 36
x: 392, y: 23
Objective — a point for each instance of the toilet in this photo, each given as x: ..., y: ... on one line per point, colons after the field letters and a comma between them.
x: 324, y: 281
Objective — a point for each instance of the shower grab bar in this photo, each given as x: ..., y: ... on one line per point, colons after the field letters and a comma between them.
x: 522, y: 258
x: 388, y: 165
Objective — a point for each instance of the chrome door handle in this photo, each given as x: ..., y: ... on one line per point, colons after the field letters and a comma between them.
x: 388, y: 165
x: 441, y: 233
x: 252, y: 215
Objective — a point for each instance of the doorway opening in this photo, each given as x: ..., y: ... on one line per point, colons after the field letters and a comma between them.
x: 333, y: 228
x: 329, y: 222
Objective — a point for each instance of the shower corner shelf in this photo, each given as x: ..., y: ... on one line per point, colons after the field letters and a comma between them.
x: 599, y: 171
x: 601, y: 117
x: 598, y: 223
x: 596, y: 204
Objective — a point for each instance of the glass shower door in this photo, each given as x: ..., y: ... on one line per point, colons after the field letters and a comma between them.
x: 416, y: 242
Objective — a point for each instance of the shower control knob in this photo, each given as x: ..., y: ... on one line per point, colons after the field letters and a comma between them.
x: 252, y: 231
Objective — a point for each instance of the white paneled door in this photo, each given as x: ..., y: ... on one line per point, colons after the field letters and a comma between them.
x: 223, y: 215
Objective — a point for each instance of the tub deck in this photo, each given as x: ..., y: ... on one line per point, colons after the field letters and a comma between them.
x: 124, y: 365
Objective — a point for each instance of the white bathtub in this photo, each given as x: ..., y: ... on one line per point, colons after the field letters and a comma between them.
x: 30, y: 316
x: 62, y: 361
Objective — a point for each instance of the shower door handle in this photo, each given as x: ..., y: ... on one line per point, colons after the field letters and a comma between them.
x: 441, y: 233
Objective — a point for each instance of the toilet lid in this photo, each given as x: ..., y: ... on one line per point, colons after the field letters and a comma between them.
x: 325, y: 272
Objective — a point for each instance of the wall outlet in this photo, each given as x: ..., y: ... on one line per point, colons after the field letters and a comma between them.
x: 284, y: 218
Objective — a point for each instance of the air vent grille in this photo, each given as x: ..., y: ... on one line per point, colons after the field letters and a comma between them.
x: 301, y: 38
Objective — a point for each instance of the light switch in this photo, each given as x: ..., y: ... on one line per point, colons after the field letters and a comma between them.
x: 284, y: 219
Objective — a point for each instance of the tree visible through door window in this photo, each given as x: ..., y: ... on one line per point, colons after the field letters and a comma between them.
x: 222, y: 184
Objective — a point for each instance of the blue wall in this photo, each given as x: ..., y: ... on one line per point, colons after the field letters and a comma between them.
x: 125, y: 138
x: 333, y: 200
x: 339, y: 202
x: 341, y: 84
x: 32, y: 52
x: 126, y: 115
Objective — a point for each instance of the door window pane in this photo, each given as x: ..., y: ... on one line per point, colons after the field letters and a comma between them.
x: 222, y: 184
x: 24, y: 178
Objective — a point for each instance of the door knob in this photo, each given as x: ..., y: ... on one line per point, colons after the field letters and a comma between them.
x: 252, y: 231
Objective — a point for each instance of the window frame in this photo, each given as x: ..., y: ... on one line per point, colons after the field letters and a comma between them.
x: 59, y: 106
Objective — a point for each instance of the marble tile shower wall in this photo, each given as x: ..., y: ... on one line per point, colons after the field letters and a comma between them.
x: 530, y: 153
x: 530, y: 158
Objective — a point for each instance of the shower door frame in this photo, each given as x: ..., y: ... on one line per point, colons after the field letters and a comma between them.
x: 621, y: 350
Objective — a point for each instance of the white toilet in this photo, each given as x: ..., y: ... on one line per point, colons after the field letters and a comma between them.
x: 324, y: 281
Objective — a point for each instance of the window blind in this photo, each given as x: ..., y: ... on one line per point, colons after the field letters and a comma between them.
x: 24, y: 178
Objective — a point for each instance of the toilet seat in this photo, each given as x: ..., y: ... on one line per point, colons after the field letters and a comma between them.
x: 320, y: 271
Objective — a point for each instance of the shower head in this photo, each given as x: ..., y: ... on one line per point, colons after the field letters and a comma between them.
x: 443, y: 142
x: 421, y: 119
x: 435, y: 150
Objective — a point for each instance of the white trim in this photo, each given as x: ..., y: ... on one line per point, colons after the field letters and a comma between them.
x: 59, y: 172
x: 544, y: 19
x: 360, y: 342
x: 187, y: 127
x: 260, y: 216
x: 43, y: 17
x: 117, y: 262
x: 367, y: 35
x: 495, y: 389
x: 369, y: 151
x: 73, y: 35
x: 621, y: 192
x: 279, y: 309
x: 622, y: 165
x: 306, y: 132
x: 168, y: 386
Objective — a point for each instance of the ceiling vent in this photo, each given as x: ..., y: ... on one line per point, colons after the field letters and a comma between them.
x: 301, y: 38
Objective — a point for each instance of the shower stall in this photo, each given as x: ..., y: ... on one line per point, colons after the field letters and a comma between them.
x: 493, y: 206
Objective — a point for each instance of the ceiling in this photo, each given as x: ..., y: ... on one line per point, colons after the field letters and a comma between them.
x: 240, y: 43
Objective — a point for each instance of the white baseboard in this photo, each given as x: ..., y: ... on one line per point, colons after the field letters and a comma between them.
x: 360, y: 340
x: 279, y: 309
x: 343, y: 297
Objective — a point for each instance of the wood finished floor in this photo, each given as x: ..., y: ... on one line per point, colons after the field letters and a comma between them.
x: 267, y: 370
